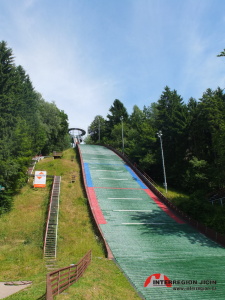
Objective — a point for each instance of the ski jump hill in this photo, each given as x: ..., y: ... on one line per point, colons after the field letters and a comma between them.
x: 160, y: 253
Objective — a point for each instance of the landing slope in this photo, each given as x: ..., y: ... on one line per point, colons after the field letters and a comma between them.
x: 145, y: 237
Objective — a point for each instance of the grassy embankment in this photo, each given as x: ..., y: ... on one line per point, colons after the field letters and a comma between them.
x: 21, y: 240
x: 199, y: 208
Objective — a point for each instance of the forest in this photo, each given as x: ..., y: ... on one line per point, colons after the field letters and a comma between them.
x: 29, y: 126
x: 193, y: 137
x: 193, y: 142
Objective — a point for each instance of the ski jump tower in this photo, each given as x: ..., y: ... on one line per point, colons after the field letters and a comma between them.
x: 76, y: 135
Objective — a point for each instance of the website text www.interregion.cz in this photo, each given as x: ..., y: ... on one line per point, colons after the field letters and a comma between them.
x: 194, y: 288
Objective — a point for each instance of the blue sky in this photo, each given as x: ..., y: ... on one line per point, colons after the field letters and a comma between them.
x: 84, y: 54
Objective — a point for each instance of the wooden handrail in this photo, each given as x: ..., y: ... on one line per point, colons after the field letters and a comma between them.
x: 59, y: 280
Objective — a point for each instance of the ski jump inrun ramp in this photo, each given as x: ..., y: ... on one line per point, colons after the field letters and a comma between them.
x: 145, y: 237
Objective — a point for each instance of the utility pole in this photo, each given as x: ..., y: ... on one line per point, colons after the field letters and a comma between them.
x: 122, y: 136
x: 164, y: 170
x: 99, y: 129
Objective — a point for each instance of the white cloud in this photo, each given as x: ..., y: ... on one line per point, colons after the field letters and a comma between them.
x: 80, y: 95
x: 83, y: 58
x: 60, y: 69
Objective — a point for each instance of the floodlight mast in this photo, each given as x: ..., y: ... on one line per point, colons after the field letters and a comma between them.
x: 99, y: 132
x: 122, y: 136
x: 164, y: 170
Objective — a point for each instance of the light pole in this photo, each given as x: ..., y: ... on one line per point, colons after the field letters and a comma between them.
x: 99, y: 129
x: 164, y: 170
x: 122, y: 136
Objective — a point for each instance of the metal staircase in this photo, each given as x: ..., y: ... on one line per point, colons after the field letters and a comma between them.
x: 50, y: 241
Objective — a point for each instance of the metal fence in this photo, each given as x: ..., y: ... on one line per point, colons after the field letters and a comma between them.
x: 59, y: 280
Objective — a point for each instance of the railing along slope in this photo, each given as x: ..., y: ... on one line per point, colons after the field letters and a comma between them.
x: 210, y: 233
x: 50, y: 240
x: 59, y: 280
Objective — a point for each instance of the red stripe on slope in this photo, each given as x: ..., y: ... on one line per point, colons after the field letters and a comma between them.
x: 164, y: 207
x: 99, y: 217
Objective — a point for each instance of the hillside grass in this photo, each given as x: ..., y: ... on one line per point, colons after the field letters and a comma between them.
x: 176, y: 197
x: 21, y: 239
x: 198, y: 207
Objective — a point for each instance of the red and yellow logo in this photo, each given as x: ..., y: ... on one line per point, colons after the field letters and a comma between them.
x: 158, y: 280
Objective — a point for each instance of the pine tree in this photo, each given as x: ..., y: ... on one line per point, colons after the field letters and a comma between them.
x: 171, y: 119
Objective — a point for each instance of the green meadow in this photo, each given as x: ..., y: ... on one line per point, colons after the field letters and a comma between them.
x: 22, y: 232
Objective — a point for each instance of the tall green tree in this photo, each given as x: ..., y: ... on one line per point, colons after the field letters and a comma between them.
x: 97, y: 129
x: 7, y: 68
x: 28, y: 125
x: 209, y: 128
x: 141, y: 138
x: 7, y: 89
x: 55, y: 124
x: 171, y: 119
x: 116, y: 112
